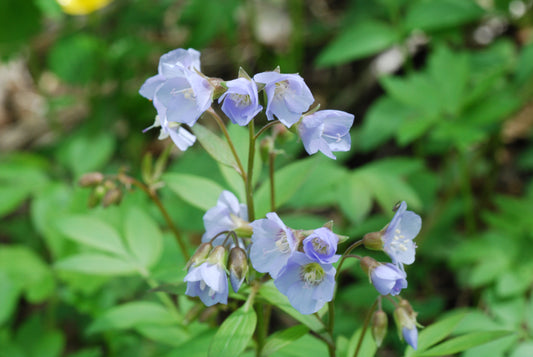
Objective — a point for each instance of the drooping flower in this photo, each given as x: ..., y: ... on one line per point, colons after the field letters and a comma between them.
x: 241, y: 103
x: 227, y: 215
x: 399, y: 234
x: 238, y: 267
x: 208, y: 280
x: 307, y: 283
x: 171, y: 64
x: 405, y: 318
x: 287, y: 96
x: 388, y: 279
x: 321, y: 246
x: 273, y: 243
x: 326, y: 131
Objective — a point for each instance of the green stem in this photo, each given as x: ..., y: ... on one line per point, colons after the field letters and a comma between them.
x: 220, y: 123
x: 468, y: 197
x: 249, y: 176
x: 365, y: 327
x: 330, y: 327
x: 153, y: 196
x: 165, y: 299
x: 261, y: 328
x: 271, y: 158
x: 263, y: 129
x: 345, y: 255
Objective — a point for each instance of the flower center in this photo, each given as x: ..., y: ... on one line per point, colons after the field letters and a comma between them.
x: 282, y: 243
x: 187, y: 93
x: 240, y: 100
x: 398, y: 241
x: 281, y: 88
x: 312, y: 274
x: 319, y: 246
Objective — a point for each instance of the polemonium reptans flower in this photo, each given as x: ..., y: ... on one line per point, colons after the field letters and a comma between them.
x: 321, y: 246
x: 405, y: 318
x: 186, y: 97
x: 272, y: 244
x: 326, y: 131
x: 171, y: 64
x: 227, y: 215
x: 208, y: 280
x: 388, y: 279
x: 399, y: 234
x: 410, y: 336
x: 241, y: 103
x: 288, y: 96
x: 307, y: 283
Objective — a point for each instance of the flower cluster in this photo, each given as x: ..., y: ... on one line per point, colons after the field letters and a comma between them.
x: 180, y: 92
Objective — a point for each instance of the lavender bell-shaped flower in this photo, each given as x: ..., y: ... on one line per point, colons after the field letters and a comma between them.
x: 326, y: 131
x: 227, y: 215
x: 273, y: 243
x: 321, y: 246
x: 307, y: 284
x: 241, y: 103
x: 405, y: 318
x: 388, y: 279
x: 287, y: 96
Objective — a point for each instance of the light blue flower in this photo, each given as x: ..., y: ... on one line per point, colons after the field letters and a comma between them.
x: 185, y: 98
x: 272, y: 244
x: 410, y: 336
x: 399, y: 234
x: 228, y: 215
x: 171, y: 64
x: 307, y: 284
x: 208, y: 280
x: 388, y: 279
x: 241, y: 103
x: 321, y: 246
x: 326, y: 131
x: 287, y: 96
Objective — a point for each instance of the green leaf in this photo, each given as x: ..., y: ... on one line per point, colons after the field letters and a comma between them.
x: 92, y: 232
x: 464, y: 342
x: 368, y: 347
x: 234, y: 334
x: 9, y: 295
x: 524, y: 349
x: 354, y: 198
x: 441, y: 14
x: 198, y: 191
x: 418, y: 91
x: 75, y: 59
x: 214, y: 145
x: 287, y: 180
x: 143, y: 237
x: 360, y: 40
x: 436, y: 332
x: 97, y: 264
x: 20, y: 21
x: 170, y: 335
x: 271, y: 294
x: 130, y: 315
x: 281, y: 339
x: 303, y: 347
x: 196, y: 346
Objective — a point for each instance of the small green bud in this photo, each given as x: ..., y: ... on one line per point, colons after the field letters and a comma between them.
x: 379, y: 326
x: 200, y: 255
x: 91, y: 179
x: 373, y: 241
x: 113, y: 196
x: 238, y: 267
x: 404, y: 316
x: 219, y: 87
x: 243, y: 228
x: 217, y: 256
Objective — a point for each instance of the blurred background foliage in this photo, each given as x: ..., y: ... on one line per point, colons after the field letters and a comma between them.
x: 442, y: 92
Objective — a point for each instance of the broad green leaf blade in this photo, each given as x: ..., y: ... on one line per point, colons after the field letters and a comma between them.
x: 9, y: 295
x: 214, y: 145
x: 287, y: 181
x: 97, y: 264
x: 368, y: 346
x: 143, y: 237
x: 133, y: 314
x: 200, y: 192
x: 92, y: 232
x: 436, y: 332
x: 196, y: 346
x: 464, y: 342
x: 234, y: 334
x: 282, y: 338
x: 354, y: 198
x: 358, y: 41
x: 270, y: 293
x: 441, y: 14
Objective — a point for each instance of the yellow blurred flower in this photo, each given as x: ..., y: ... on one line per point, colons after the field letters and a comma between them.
x: 82, y: 7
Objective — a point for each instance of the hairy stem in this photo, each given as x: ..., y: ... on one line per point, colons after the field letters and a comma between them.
x: 346, y: 254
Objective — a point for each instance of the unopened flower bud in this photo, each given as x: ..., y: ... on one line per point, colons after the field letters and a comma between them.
x: 242, y: 227
x: 373, y: 241
x: 238, y: 267
x: 379, y: 326
x: 112, y: 197
x: 217, y: 256
x: 200, y: 255
x: 91, y: 179
x: 368, y: 264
